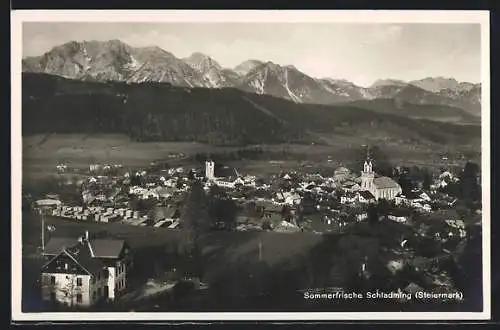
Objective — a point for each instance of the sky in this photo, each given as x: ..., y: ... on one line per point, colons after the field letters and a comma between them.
x: 361, y: 53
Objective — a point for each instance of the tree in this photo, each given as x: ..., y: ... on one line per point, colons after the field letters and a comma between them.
x: 222, y: 208
x: 381, y: 163
x: 372, y: 213
x: 69, y: 290
x: 426, y: 180
x: 470, y: 190
x: 383, y: 207
x: 405, y: 180
x: 136, y: 180
x: 195, y: 221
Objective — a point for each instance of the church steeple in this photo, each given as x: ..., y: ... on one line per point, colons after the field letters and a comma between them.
x: 368, y: 166
x: 367, y: 175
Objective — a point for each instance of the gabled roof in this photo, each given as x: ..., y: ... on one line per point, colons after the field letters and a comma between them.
x: 225, y: 172
x: 81, y: 254
x: 102, y: 248
x: 385, y: 182
x: 366, y: 194
x: 350, y: 194
x: 57, y: 244
x: 107, y: 248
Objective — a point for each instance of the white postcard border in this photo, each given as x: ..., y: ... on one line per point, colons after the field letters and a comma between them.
x: 293, y: 16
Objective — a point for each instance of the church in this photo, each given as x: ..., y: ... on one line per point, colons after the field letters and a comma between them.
x: 222, y: 176
x: 381, y: 187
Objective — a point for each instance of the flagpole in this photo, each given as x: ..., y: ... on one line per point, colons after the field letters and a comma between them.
x: 43, y: 233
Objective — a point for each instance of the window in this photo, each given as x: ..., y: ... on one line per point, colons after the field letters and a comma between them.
x: 79, y: 298
x: 52, y: 280
x: 78, y: 281
x: 99, y: 276
x: 93, y: 295
x: 98, y: 292
x: 93, y: 279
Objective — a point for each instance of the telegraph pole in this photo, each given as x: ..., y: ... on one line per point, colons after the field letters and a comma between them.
x: 43, y: 232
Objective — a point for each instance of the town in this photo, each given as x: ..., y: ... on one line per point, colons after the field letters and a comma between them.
x: 422, y: 224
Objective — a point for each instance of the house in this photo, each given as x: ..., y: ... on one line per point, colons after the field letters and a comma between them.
x: 341, y: 174
x: 47, y: 206
x: 111, y: 254
x: 361, y: 216
x: 74, y: 278
x: 414, y: 198
x: 399, y: 215
x: 366, y: 197
x: 456, y: 227
x: 397, y: 218
x: 249, y: 180
x: 290, y: 198
x: 348, y: 197
x: 351, y: 186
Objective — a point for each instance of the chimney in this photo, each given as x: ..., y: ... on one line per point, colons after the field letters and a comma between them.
x: 86, y: 235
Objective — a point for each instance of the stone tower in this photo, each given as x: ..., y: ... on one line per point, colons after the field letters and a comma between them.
x: 367, y: 175
x: 210, y: 170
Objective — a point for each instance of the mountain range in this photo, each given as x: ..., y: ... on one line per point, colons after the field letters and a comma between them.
x: 114, y: 60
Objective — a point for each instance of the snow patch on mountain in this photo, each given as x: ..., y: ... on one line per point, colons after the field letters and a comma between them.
x: 294, y: 97
x: 132, y: 64
x: 258, y: 85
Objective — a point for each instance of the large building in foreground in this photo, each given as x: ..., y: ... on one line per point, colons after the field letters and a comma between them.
x: 381, y: 187
x: 81, y: 272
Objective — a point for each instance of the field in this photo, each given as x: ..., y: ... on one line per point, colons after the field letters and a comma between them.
x: 41, y: 153
x: 237, y: 244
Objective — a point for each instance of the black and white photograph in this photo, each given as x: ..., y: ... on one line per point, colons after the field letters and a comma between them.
x: 250, y: 165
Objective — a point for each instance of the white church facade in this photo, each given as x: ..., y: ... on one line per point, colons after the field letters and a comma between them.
x: 230, y: 181
x: 381, y: 187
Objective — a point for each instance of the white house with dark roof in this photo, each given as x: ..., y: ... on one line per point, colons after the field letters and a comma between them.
x: 74, y: 277
x: 112, y: 254
x: 365, y: 197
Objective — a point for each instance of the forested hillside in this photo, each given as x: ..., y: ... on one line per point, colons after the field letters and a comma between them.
x: 162, y: 112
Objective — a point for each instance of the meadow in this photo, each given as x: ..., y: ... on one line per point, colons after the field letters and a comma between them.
x: 42, y: 153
